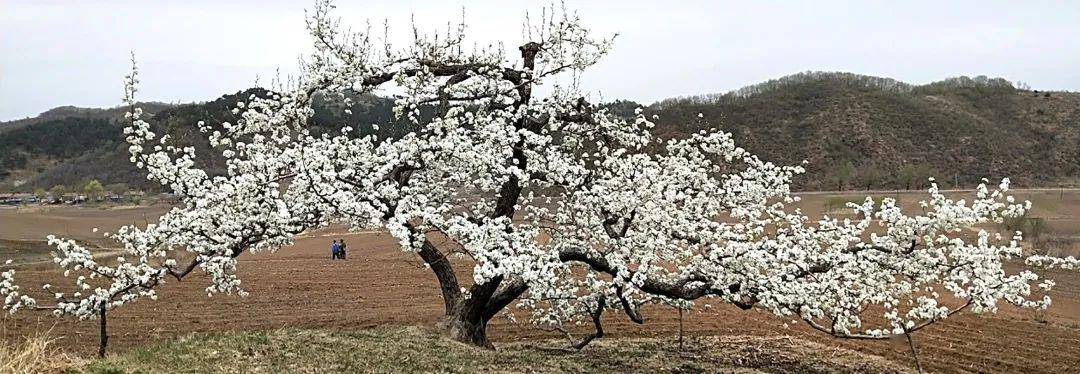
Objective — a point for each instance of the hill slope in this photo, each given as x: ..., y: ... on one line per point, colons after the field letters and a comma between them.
x: 856, y: 132
x: 859, y: 131
x: 70, y: 147
x: 64, y: 112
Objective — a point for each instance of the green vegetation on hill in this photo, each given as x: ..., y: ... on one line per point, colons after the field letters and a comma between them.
x: 77, y: 112
x: 856, y: 132
x: 55, y: 139
x: 413, y: 350
x: 72, y: 146
x: 859, y: 132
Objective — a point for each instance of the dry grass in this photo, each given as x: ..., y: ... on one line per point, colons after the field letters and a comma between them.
x: 35, y: 353
x: 415, y: 350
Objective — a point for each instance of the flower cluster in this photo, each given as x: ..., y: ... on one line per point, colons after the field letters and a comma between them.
x: 571, y: 206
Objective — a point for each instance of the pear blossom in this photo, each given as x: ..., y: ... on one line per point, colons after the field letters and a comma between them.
x: 559, y: 206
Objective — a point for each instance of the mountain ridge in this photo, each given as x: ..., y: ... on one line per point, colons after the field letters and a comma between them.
x: 855, y: 131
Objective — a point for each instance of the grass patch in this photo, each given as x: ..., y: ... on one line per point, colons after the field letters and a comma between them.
x: 35, y: 353
x: 839, y: 204
x: 411, y: 349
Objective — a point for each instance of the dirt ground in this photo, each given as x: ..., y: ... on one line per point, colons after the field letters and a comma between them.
x: 380, y: 285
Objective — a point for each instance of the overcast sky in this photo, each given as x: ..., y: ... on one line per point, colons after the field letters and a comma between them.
x: 55, y: 53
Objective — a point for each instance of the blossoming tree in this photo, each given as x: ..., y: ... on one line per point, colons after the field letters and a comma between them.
x: 558, y: 206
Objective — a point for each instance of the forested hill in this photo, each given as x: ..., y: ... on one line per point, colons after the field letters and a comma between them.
x: 855, y: 131
x: 858, y: 131
x: 64, y: 112
x: 70, y: 146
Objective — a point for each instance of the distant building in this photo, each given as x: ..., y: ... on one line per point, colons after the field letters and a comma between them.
x: 17, y: 199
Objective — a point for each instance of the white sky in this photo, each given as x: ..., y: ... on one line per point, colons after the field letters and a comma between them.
x: 55, y: 53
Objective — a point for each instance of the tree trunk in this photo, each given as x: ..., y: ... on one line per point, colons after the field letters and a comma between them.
x: 472, y: 331
x: 103, y: 341
x: 681, y: 332
x: 466, y: 318
x: 467, y: 321
x: 914, y: 352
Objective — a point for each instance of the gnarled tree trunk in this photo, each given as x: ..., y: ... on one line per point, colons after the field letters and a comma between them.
x: 467, y: 328
x: 466, y: 319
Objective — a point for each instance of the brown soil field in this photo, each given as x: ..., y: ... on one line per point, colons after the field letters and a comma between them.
x: 381, y: 285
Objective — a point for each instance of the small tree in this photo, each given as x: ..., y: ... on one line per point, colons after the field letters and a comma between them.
x: 907, y: 176
x: 117, y: 188
x: 94, y: 190
x: 840, y: 176
x: 554, y: 205
x: 58, y: 191
x: 914, y: 175
x: 869, y: 175
x: 40, y: 193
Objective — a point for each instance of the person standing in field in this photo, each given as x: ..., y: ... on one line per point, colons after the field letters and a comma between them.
x: 335, y: 250
x: 341, y: 249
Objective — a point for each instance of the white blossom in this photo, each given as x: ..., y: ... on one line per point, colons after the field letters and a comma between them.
x: 601, y: 209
